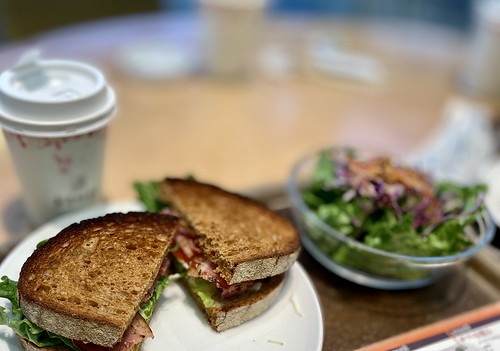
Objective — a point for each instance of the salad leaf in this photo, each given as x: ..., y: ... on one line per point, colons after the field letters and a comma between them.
x: 445, y: 241
x: 147, y: 308
x: 342, y: 216
x: 21, y: 325
x: 325, y: 170
x: 205, y: 290
x: 41, y: 243
x: 148, y: 193
x: 460, y: 198
x: 391, y: 235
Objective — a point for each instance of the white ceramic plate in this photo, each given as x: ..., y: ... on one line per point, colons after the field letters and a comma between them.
x: 294, y: 322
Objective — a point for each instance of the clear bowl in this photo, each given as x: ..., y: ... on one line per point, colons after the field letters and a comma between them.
x: 365, y: 265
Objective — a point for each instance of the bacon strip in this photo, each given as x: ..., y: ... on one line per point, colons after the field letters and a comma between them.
x: 135, y: 334
x: 161, y: 273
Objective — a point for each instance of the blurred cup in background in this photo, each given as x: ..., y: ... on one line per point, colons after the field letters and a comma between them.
x: 481, y: 72
x: 54, y: 115
x: 231, y: 30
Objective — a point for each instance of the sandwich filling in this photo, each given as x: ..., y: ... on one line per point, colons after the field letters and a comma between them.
x: 134, y: 335
x: 197, y: 265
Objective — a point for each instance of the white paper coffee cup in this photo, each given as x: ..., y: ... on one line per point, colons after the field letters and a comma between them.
x: 54, y: 114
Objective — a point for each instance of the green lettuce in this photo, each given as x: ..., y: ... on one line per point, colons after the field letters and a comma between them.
x: 147, y: 308
x: 23, y: 326
x: 205, y: 290
x: 148, y: 193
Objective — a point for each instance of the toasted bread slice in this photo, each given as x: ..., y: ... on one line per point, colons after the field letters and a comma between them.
x: 228, y: 313
x: 87, y: 282
x: 29, y: 346
x: 245, y: 239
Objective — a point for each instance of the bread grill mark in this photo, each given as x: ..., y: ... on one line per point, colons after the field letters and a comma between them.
x: 63, y: 291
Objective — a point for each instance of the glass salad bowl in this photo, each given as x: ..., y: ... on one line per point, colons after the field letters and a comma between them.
x: 382, y: 224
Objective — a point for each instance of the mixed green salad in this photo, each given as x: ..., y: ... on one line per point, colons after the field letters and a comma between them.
x: 391, y: 207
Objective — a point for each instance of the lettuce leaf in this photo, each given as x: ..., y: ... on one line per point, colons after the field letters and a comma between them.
x: 205, y: 290
x: 147, y: 307
x: 325, y: 171
x: 148, y: 193
x: 23, y: 326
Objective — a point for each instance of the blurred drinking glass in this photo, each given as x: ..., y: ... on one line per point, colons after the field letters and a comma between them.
x: 231, y: 32
x: 481, y: 72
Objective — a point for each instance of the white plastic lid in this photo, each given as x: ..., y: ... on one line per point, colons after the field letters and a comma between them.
x: 54, y: 98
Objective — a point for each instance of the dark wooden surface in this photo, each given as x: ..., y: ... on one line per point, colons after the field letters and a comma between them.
x: 356, y: 316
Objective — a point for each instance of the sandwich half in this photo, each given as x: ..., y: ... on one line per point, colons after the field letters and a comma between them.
x: 94, y: 285
x: 233, y: 250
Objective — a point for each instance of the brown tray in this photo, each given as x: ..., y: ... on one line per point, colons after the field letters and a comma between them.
x: 356, y: 316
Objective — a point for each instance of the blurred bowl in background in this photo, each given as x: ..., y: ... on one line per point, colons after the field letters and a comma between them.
x: 365, y: 265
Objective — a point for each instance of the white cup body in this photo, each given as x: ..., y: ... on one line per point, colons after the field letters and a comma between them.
x: 231, y: 32
x: 58, y: 175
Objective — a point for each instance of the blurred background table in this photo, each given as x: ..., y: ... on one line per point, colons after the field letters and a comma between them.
x: 246, y: 135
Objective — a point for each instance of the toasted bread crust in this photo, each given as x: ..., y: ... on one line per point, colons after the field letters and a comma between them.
x: 28, y: 346
x: 229, y: 313
x: 245, y: 239
x: 87, y: 282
